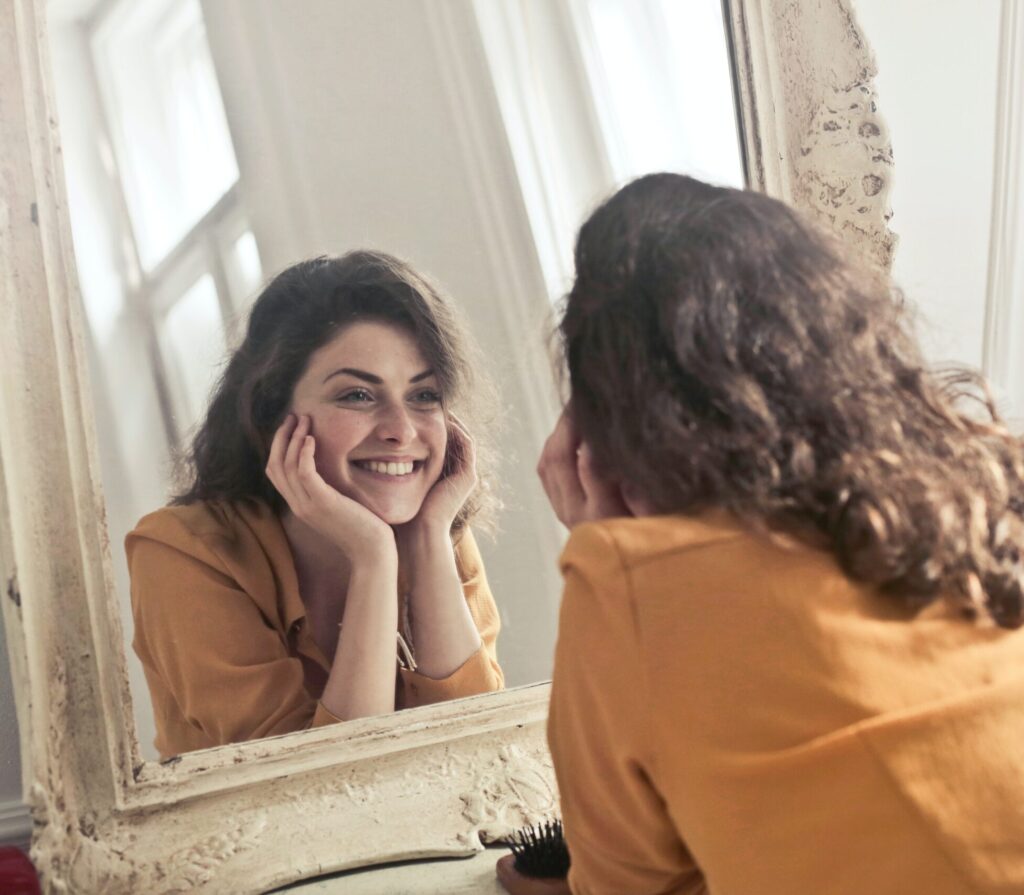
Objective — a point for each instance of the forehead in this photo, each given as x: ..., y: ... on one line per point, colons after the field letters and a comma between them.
x: 384, y: 349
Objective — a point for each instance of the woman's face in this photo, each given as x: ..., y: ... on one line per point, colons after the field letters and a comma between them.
x: 377, y: 418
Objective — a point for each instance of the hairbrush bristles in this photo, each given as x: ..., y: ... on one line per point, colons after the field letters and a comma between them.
x: 540, y: 851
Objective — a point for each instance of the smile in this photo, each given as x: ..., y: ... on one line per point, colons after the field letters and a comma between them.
x: 397, y: 470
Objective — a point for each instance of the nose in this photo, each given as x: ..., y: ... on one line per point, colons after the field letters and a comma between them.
x: 395, y: 425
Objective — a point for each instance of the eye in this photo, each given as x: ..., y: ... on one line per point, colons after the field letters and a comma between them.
x: 427, y: 396
x: 354, y: 396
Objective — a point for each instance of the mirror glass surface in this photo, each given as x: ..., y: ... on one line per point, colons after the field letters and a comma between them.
x: 209, y: 145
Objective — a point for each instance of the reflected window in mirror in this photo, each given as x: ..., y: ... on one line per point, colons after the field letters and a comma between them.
x: 165, y: 117
x: 597, y: 92
x: 166, y: 255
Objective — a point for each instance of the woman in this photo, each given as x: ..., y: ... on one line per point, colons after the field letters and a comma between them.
x: 307, y: 573
x: 787, y: 657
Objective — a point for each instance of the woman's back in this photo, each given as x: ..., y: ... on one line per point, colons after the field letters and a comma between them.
x: 726, y: 701
x: 839, y: 713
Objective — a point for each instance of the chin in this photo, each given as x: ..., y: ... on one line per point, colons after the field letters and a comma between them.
x: 394, y: 515
x: 398, y: 518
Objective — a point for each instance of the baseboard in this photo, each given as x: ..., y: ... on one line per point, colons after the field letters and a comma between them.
x: 15, y: 824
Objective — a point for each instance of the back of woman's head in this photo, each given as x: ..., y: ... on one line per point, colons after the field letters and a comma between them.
x: 300, y: 311
x: 723, y: 352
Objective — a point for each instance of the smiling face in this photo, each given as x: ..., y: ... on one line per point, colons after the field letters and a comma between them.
x: 377, y: 418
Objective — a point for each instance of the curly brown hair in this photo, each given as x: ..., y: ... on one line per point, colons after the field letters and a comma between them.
x: 724, y: 352
x: 301, y: 310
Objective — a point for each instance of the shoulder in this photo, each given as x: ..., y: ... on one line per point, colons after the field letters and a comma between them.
x: 711, y: 562
x: 622, y: 544
x: 204, y: 528
x: 608, y: 564
x: 181, y: 552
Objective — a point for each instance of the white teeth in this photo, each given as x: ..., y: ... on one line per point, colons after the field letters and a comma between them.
x: 387, y: 468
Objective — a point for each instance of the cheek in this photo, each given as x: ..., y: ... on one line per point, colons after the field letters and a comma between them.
x: 337, y: 434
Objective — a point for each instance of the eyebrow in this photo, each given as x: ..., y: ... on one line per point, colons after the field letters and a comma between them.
x: 371, y: 378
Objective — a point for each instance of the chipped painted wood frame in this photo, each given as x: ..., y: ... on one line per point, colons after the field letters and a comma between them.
x: 438, y: 780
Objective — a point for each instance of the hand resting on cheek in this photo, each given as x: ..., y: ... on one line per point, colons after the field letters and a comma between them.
x: 357, y: 531
x: 577, y: 492
x: 458, y: 478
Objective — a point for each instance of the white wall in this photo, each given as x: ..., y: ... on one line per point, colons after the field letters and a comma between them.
x: 937, y: 87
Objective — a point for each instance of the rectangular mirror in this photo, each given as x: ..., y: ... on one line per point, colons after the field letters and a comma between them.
x: 207, y: 147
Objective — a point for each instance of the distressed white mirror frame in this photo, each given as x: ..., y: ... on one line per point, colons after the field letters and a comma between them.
x: 431, y: 781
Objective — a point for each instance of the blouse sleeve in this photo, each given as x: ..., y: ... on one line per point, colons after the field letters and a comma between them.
x: 207, y: 649
x: 480, y: 673
x: 618, y: 831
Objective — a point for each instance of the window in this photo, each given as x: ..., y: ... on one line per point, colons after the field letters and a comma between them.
x: 190, y: 258
x: 166, y: 119
x: 596, y: 92
x: 662, y: 86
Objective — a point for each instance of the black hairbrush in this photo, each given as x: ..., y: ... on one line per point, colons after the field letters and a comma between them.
x: 540, y: 851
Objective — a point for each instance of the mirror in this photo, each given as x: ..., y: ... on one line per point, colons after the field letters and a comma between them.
x: 205, y: 152
x: 438, y: 780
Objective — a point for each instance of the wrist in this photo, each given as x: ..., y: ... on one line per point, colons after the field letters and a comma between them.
x: 368, y: 583
x: 424, y: 532
x: 378, y: 553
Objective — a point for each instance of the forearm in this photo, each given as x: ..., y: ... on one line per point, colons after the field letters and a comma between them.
x: 444, y: 633
x: 362, y: 678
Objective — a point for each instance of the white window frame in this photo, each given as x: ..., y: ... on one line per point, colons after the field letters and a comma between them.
x: 206, y: 248
x: 1003, y: 346
x: 549, y: 77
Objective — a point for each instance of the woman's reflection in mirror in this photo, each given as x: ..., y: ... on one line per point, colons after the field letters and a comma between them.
x: 318, y: 566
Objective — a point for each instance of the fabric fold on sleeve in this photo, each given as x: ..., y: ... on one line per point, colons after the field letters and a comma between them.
x: 323, y: 716
x: 482, y: 605
x: 218, y: 671
x: 474, y: 676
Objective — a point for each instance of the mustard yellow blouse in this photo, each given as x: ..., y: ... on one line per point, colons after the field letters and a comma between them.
x: 220, y: 629
x: 729, y: 715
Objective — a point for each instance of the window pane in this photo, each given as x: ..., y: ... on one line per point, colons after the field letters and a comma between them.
x: 193, y: 341
x: 246, y: 270
x: 166, y: 117
x: 663, y: 87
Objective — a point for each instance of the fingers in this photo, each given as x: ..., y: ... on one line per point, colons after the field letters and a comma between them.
x: 295, y: 443
x: 575, y: 487
x: 278, y: 447
x: 461, y: 448
x: 291, y: 442
x: 316, y: 492
x: 602, y: 498
x: 558, y: 471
